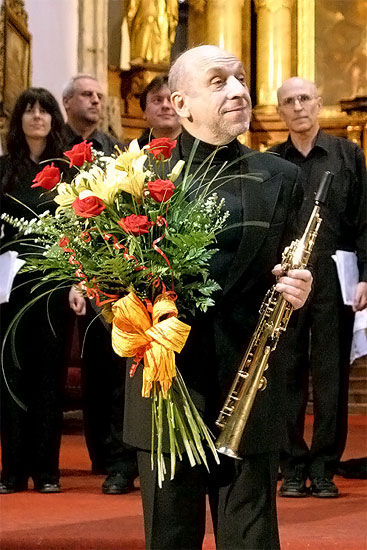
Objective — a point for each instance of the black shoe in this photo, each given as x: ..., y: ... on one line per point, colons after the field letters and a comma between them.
x: 9, y: 487
x: 293, y: 487
x: 323, y: 487
x: 354, y: 468
x: 117, y: 484
x: 47, y: 487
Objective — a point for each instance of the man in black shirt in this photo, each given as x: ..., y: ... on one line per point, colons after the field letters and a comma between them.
x: 321, y: 339
x: 83, y: 102
x: 103, y: 375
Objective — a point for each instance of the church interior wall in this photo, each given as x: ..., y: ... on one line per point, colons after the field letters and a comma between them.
x: 328, y: 43
x: 54, y: 29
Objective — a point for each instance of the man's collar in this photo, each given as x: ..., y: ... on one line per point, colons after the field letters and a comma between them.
x: 73, y: 137
x: 227, y: 152
x: 322, y: 141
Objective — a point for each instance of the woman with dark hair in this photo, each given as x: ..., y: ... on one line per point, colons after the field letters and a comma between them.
x: 33, y: 352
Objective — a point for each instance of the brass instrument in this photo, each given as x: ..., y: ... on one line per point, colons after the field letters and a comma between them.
x: 275, y: 312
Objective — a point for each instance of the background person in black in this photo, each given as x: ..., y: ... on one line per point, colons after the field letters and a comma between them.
x: 212, y: 100
x: 155, y: 102
x: 320, y: 340
x: 31, y: 438
x: 102, y: 371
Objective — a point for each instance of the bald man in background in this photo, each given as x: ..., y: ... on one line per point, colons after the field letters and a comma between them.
x: 319, y: 342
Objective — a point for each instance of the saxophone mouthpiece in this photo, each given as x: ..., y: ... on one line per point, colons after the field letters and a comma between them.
x: 323, y: 189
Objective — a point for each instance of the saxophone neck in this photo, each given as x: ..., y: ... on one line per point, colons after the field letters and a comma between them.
x: 307, y: 240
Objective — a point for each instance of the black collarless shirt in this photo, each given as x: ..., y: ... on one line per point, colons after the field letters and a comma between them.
x: 344, y: 223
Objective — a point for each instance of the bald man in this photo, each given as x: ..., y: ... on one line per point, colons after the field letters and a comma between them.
x: 211, y: 97
x: 320, y: 340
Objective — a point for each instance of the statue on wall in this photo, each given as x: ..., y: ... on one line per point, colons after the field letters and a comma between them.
x: 152, y: 29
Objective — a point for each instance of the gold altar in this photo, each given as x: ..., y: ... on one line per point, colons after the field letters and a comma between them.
x: 323, y: 40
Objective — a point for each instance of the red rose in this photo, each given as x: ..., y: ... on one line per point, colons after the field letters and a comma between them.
x: 48, y: 177
x: 161, y: 190
x: 64, y: 241
x: 80, y: 153
x: 88, y: 207
x: 161, y: 148
x: 137, y: 225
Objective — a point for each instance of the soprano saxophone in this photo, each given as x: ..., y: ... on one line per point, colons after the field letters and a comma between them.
x: 275, y: 312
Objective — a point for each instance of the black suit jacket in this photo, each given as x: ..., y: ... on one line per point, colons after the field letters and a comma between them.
x: 219, y: 338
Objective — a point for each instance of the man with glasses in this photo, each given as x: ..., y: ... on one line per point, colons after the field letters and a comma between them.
x: 320, y: 340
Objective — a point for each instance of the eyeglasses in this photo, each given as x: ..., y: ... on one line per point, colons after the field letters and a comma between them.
x: 302, y: 100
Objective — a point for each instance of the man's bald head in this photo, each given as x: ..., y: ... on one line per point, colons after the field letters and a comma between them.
x: 184, y: 68
x: 210, y: 95
x: 296, y: 82
x: 299, y: 105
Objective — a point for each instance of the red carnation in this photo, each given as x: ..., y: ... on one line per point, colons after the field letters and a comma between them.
x: 88, y: 207
x: 80, y: 153
x: 161, y: 190
x: 137, y: 225
x: 161, y: 148
x: 48, y: 177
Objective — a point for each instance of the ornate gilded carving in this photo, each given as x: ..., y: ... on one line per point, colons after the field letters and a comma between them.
x: 152, y: 30
x: 273, y: 5
x: 355, y: 133
x: 15, y: 61
x: 197, y: 6
x: 17, y: 7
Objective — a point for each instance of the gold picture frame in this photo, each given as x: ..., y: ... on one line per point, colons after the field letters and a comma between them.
x: 16, y: 60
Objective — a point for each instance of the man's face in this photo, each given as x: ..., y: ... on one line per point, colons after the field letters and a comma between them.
x: 215, y: 105
x: 299, y: 105
x: 159, y: 112
x: 85, y: 105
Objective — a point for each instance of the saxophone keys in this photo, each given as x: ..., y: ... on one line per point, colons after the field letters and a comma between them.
x: 243, y: 374
x: 263, y: 383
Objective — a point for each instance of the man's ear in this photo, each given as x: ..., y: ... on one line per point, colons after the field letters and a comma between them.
x: 279, y: 111
x: 65, y: 102
x: 180, y: 105
x: 319, y: 103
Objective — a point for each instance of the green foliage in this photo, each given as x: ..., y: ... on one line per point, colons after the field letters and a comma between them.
x: 97, y: 251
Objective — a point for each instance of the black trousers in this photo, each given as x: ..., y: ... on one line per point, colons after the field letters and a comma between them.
x: 319, y: 344
x: 242, y: 496
x: 32, y: 381
x: 103, y: 389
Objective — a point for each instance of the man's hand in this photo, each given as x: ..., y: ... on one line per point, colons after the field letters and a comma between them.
x: 295, y: 285
x: 77, y: 301
x: 360, y: 297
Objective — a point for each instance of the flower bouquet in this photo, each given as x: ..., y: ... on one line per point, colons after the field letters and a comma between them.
x: 126, y: 233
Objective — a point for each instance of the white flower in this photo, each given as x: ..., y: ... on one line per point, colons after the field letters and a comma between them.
x: 176, y: 170
x: 66, y: 196
x: 86, y: 193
